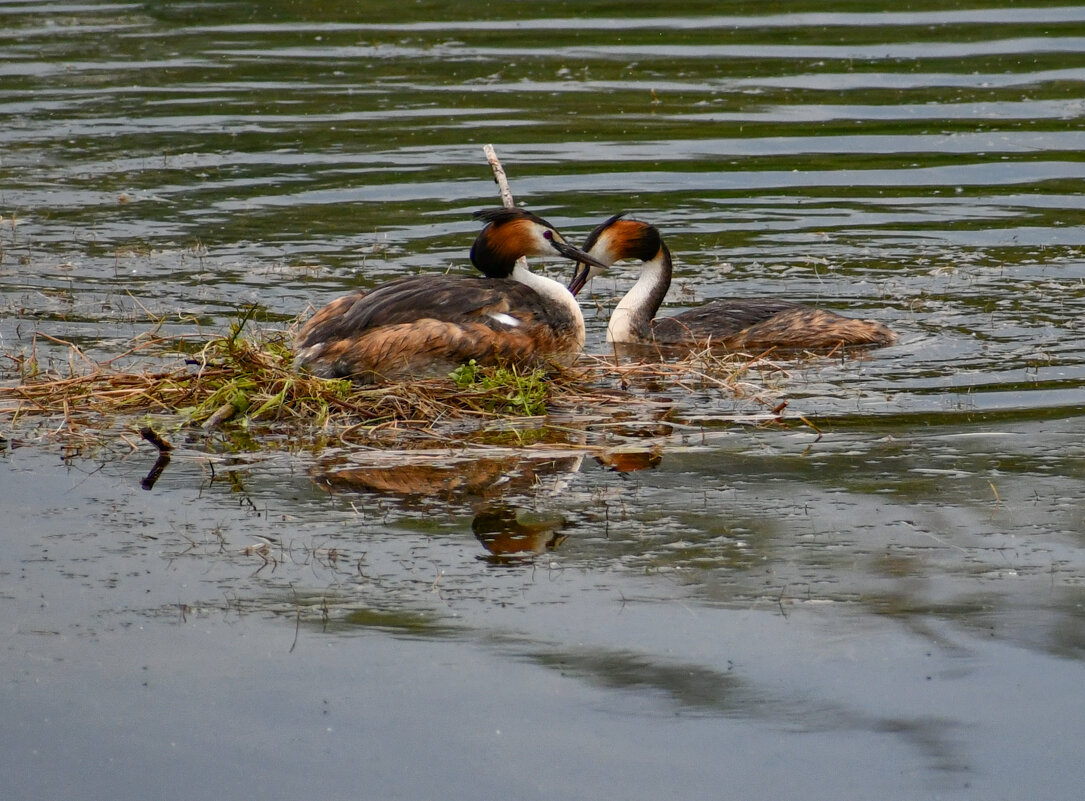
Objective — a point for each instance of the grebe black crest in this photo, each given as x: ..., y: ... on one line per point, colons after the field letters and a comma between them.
x: 760, y: 323
x: 427, y: 325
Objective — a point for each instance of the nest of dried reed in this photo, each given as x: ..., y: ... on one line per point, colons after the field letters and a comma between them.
x: 249, y: 382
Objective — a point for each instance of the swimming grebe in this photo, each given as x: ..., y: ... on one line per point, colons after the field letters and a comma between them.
x: 426, y: 325
x: 733, y: 324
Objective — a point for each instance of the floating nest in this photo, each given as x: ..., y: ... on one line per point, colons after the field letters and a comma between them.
x: 248, y: 384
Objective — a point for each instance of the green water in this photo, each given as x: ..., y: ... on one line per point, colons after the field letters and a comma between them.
x: 893, y: 609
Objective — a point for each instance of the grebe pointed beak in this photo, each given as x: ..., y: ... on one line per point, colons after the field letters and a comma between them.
x: 583, y: 273
x: 575, y: 254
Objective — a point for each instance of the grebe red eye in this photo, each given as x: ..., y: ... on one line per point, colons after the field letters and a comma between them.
x: 548, y: 234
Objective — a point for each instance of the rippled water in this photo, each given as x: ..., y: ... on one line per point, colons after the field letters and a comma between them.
x: 891, y: 610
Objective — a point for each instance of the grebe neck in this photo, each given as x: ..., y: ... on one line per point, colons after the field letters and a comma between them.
x: 631, y: 320
x: 556, y: 295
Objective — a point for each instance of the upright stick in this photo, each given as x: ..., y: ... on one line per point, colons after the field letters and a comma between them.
x: 502, y: 185
x: 499, y: 176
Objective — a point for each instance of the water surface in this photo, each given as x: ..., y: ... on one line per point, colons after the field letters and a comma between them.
x: 892, y: 608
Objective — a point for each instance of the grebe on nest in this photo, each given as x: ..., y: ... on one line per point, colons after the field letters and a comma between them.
x: 759, y: 323
x: 427, y: 325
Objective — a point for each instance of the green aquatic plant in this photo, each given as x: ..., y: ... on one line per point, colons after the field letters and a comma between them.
x: 255, y: 378
x: 505, y: 389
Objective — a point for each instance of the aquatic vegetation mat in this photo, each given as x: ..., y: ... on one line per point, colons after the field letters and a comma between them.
x: 248, y: 383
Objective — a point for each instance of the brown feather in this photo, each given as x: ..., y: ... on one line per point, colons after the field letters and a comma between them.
x: 501, y: 245
x: 427, y: 325
x: 431, y: 348
x: 806, y: 327
x: 742, y: 324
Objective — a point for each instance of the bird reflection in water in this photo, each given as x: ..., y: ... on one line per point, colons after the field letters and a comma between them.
x: 489, y: 486
x: 629, y: 460
x: 513, y: 535
x: 454, y: 479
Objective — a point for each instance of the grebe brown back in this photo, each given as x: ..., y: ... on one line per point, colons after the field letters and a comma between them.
x: 426, y: 325
x: 734, y: 324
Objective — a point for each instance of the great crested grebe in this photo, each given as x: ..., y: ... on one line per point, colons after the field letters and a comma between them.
x: 732, y: 324
x: 426, y: 325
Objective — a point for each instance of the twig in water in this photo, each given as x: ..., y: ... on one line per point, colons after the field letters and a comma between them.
x: 297, y: 619
x: 163, y: 460
x: 816, y: 429
x: 160, y: 465
x: 155, y: 439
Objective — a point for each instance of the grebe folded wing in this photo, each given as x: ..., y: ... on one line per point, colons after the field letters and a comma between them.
x: 719, y: 318
x: 500, y: 304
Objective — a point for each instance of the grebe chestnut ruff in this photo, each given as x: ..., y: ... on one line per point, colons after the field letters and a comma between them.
x: 755, y: 323
x: 427, y: 325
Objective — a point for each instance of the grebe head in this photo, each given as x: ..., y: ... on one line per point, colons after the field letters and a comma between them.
x: 612, y: 241
x: 512, y: 233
